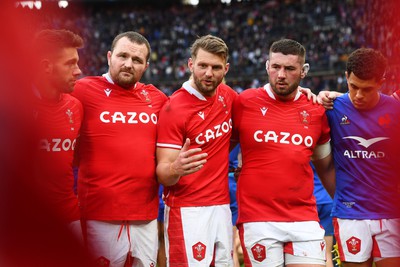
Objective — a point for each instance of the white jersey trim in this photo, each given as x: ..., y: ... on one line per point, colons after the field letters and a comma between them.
x: 396, y: 96
x: 108, y: 77
x: 164, y: 145
x: 186, y: 85
x: 321, y: 151
x: 268, y: 89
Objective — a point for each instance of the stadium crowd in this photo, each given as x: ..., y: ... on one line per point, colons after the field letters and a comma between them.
x: 329, y: 30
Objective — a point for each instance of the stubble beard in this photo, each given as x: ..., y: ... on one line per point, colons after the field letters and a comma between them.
x: 285, y: 92
x: 205, y: 90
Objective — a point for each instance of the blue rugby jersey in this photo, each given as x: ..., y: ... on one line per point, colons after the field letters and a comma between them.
x: 367, y: 154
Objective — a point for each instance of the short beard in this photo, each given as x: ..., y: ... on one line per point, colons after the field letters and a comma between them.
x: 290, y: 90
x: 124, y: 82
x: 204, y: 90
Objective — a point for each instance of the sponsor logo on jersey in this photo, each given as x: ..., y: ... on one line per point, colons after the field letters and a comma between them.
x: 201, y: 114
x: 259, y: 252
x: 345, y: 120
x: 263, y: 110
x: 353, y: 245
x: 214, y: 132
x: 348, y: 204
x: 107, y: 91
x: 57, y: 144
x: 366, y: 142
x: 283, y: 138
x: 364, y: 154
x: 384, y: 120
x: 199, y: 251
x: 129, y: 117
x: 305, y: 117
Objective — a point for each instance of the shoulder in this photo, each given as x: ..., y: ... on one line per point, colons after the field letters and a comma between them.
x: 250, y: 93
x: 390, y: 104
x: 72, y: 103
x: 71, y: 99
x: 154, y: 91
x: 227, y: 89
x: 89, y: 80
x: 180, y: 96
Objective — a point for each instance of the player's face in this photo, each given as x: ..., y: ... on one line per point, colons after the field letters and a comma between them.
x: 285, y: 74
x: 208, y: 71
x: 65, y: 70
x: 364, y: 94
x: 127, y: 62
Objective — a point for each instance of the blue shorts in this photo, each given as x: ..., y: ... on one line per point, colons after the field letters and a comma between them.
x: 161, y: 205
x: 232, y: 195
x: 325, y: 218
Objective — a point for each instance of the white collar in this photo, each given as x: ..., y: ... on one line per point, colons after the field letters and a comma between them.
x: 108, y: 77
x: 268, y: 89
x: 186, y: 85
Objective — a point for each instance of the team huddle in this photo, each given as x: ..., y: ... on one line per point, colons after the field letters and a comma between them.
x: 126, y: 138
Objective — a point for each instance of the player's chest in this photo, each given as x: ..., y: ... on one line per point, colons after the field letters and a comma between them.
x: 57, y: 132
x: 64, y: 121
x: 206, y: 125
x: 122, y: 110
x: 268, y: 125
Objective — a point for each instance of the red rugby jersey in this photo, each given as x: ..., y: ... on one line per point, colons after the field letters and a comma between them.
x: 117, y: 179
x: 207, y: 122
x: 58, y: 127
x: 277, y: 140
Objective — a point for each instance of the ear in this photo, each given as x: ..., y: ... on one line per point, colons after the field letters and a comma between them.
x: 46, y: 66
x: 147, y: 65
x: 226, y: 68
x: 190, y: 64
x: 108, y: 57
x: 304, y: 70
x: 267, y: 66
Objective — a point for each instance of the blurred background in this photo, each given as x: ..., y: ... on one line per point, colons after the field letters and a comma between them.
x: 330, y: 31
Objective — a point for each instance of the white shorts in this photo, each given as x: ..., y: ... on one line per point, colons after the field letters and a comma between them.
x: 113, y: 242
x: 358, y: 240
x: 273, y: 244
x: 198, y: 236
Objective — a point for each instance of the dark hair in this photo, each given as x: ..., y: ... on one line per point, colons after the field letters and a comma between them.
x: 134, y: 37
x: 211, y: 44
x: 50, y: 40
x: 288, y: 47
x: 366, y: 64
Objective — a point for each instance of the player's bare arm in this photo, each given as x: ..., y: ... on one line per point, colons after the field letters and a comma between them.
x: 324, y: 165
x: 326, y: 98
x: 173, y: 164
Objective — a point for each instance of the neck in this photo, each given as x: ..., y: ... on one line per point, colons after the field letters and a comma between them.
x: 47, y: 92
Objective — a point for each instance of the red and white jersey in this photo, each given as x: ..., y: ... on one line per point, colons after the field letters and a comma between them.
x: 117, y: 179
x: 277, y: 139
x: 207, y: 122
x: 58, y: 127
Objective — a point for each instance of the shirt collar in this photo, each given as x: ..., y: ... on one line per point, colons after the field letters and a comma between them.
x: 186, y: 85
